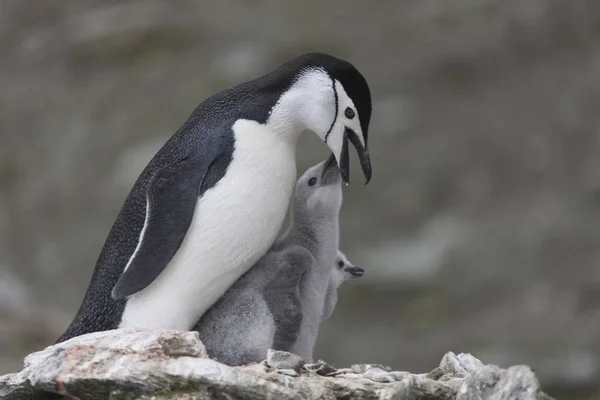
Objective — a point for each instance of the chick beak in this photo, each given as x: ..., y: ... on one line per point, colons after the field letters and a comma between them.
x: 331, y: 172
x: 355, y: 271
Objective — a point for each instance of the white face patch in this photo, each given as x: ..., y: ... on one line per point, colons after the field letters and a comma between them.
x: 335, y: 137
x: 309, y: 104
x: 313, y: 104
x: 335, y: 140
x: 344, y: 101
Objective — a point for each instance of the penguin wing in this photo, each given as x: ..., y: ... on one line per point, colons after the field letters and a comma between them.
x: 171, y: 198
x: 283, y: 296
x: 290, y: 264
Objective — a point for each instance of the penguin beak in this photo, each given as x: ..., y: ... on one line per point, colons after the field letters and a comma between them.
x: 331, y: 172
x: 355, y: 272
x: 363, y: 156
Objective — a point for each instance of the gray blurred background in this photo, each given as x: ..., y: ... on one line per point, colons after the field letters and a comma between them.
x: 480, y: 231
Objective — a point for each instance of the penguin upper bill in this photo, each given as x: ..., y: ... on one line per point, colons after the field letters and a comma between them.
x: 343, y: 156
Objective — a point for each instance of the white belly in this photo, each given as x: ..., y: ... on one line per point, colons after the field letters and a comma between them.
x: 234, y: 224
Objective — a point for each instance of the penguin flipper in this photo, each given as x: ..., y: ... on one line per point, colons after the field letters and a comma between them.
x: 284, y: 296
x: 294, y: 261
x: 171, y: 198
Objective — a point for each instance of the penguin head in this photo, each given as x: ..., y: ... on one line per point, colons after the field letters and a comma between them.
x: 344, y: 270
x: 331, y: 98
x: 319, y: 192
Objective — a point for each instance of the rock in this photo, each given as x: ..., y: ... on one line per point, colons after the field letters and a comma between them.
x: 362, y: 368
x: 400, y: 375
x: 461, y: 365
x: 136, y: 364
x: 488, y: 382
x: 288, y: 372
x: 374, y: 372
x: 436, y: 374
x: 378, y: 375
x: 283, y: 360
x: 341, y: 371
x: 320, y: 368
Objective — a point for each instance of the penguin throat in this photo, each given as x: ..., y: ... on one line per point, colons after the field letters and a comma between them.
x: 308, y: 105
x: 316, y: 232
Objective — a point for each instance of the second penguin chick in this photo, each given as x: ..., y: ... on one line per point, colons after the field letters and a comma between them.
x: 342, y: 271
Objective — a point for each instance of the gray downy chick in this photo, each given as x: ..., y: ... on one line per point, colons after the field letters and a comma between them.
x: 262, y: 304
x: 315, y: 227
x: 342, y: 271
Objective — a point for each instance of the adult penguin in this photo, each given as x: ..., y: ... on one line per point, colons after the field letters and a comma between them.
x: 211, y: 202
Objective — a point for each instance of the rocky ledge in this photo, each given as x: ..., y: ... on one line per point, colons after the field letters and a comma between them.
x: 164, y: 364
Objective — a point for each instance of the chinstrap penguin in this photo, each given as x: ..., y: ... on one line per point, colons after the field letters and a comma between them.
x: 341, y: 271
x: 314, y: 225
x: 211, y: 201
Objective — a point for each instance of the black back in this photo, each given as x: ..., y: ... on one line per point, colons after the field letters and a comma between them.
x: 208, y: 131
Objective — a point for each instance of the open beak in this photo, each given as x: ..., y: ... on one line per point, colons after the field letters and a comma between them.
x: 355, y: 271
x: 331, y: 172
x: 363, y: 156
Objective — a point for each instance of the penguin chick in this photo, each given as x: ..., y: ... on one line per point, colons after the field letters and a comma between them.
x: 342, y: 271
x: 264, y: 303
x: 315, y: 227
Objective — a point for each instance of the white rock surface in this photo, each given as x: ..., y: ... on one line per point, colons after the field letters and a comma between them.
x: 164, y: 364
x: 283, y: 360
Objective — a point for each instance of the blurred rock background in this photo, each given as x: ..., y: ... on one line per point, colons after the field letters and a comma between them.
x: 480, y: 231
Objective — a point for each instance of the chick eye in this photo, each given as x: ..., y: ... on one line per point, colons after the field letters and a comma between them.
x: 349, y: 113
x: 341, y: 264
x: 312, y: 181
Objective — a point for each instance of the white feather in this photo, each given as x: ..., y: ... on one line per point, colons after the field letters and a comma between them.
x: 141, y: 238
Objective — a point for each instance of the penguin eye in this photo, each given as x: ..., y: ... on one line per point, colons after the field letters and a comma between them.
x: 341, y: 264
x: 349, y: 113
x: 312, y: 181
